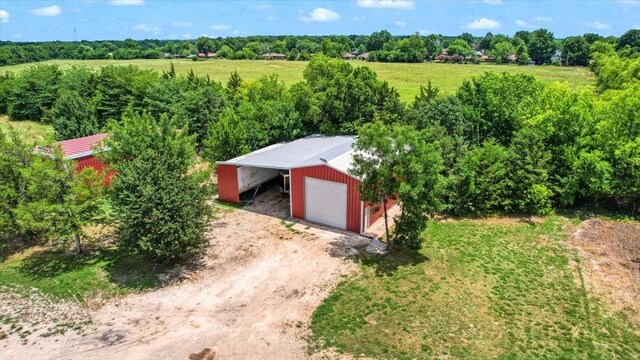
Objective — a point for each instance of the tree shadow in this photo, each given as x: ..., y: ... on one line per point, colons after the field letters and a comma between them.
x: 137, y: 272
x: 389, y: 263
x: 124, y: 269
x: 54, y: 262
x: 10, y: 247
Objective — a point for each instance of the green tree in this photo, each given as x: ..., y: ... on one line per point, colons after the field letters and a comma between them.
x: 226, y: 138
x: 576, y: 50
x: 396, y: 164
x: 468, y: 38
x: 541, y: 46
x: 33, y: 92
x: 72, y: 117
x: 459, y: 47
x: 522, y: 52
x: 480, y: 183
x: 485, y: 42
x: 15, y: 155
x: 631, y: 38
x: 528, y: 170
x: 205, y: 44
x: 501, y: 51
x: 492, y: 106
x: 378, y: 39
x: 158, y: 199
x: 412, y: 49
x: 84, y: 204
x: 523, y: 35
x: 225, y: 52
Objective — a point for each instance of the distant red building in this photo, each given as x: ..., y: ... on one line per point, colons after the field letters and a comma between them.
x: 81, y: 151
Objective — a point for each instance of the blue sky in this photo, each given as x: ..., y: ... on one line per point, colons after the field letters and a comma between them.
x: 24, y: 20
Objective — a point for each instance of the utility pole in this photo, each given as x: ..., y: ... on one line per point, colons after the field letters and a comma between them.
x: 75, y: 33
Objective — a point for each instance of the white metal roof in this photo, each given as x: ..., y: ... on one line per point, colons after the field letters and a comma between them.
x: 334, y: 151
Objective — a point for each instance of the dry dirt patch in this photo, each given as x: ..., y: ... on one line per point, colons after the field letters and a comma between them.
x: 261, y: 282
x: 611, y: 252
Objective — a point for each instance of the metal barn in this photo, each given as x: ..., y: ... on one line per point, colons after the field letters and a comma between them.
x: 81, y: 151
x: 313, y: 171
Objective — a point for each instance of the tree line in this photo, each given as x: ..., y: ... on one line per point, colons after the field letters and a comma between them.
x: 501, y: 144
x: 538, y: 46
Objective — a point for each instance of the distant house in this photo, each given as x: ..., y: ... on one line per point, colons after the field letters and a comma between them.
x: 349, y: 56
x: 274, y: 56
x: 211, y: 54
x: 192, y: 56
x: 363, y: 56
x: 557, y: 56
x: 202, y: 55
x: 486, y: 58
x: 512, y: 58
x: 165, y: 55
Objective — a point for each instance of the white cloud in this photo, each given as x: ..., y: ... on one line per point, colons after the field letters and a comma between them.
x: 482, y: 24
x: 238, y: 32
x: 400, y: 23
x: 358, y: 18
x: 220, y: 27
x: 4, y: 16
x: 425, y: 32
x: 493, y: 2
x: 321, y: 15
x: 154, y: 29
x: 543, y: 18
x: 126, y: 2
x: 53, y: 10
x: 628, y: 2
x: 598, y: 25
x: 524, y: 24
x: 186, y: 36
x: 181, y: 24
x: 387, y: 4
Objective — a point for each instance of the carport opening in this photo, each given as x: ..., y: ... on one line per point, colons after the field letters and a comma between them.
x: 268, y: 186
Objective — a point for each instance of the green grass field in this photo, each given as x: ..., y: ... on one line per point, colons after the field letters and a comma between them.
x: 30, y: 130
x: 407, y: 78
x: 477, y: 290
x: 104, y: 273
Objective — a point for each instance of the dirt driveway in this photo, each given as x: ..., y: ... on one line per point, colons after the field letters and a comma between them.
x: 253, y: 300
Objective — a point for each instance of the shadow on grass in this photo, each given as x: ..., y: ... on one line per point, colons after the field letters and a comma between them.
x: 125, y: 270
x: 9, y: 247
x: 388, y: 264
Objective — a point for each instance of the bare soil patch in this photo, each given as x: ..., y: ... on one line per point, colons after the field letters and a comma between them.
x: 611, y: 252
x: 253, y: 298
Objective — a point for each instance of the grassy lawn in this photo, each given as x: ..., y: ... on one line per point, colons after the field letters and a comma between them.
x: 31, y: 130
x: 104, y: 272
x: 477, y: 290
x: 405, y: 77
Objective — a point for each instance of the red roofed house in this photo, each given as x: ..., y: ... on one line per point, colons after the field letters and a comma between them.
x: 81, y: 151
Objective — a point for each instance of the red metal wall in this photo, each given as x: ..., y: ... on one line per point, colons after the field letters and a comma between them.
x: 97, y: 165
x: 326, y: 173
x: 228, y: 183
x: 375, y: 216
